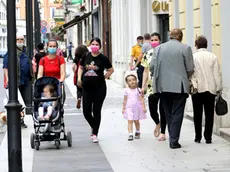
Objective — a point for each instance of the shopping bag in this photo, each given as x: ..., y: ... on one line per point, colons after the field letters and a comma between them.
x: 221, y: 106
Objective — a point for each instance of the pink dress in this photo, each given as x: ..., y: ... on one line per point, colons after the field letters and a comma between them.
x: 133, y: 109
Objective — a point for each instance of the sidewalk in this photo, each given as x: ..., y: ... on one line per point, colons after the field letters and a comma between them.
x: 150, y: 155
x: 83, y: 156
x: 114, y: 153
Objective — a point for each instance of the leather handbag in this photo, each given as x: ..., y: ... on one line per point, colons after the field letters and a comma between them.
x: 221, y: 106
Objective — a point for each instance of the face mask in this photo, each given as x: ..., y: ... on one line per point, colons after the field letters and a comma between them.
x: 94, y: 48
x: 155, y: 44
x: 141, y: 44
x: 52, y: 50
x: 20, y: 45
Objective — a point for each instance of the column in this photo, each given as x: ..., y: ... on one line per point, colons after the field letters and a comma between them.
x: 130, y: 31
x: 143, y: 15
x: 176, y: 14
x: 189, y: 23
x: 206, y: 21
x: 225, y: 37
x: 136, y: 19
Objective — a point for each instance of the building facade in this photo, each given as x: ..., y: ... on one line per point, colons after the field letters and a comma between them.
x: 208, y: 18
x: 130, y: 19
x: 47, y: 9
x: 3, y: 29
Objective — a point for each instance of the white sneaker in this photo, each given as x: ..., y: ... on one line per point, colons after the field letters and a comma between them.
x: 95, y: 139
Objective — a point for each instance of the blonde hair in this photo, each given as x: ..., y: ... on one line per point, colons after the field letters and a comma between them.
x: 50, y: 88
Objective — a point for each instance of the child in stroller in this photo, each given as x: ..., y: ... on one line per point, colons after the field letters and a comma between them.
x: 48, y: 105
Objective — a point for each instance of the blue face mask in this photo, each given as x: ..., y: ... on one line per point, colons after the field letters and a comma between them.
x: 141, y: 44
x: 52, y: 50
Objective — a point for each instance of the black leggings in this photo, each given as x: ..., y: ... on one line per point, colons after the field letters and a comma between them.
x: 92, y: 103
x: 79, y: 92
x: 153, y: 107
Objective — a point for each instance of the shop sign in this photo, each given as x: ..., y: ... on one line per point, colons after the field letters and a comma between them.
x: 60, y: 23
x: 160, y: 7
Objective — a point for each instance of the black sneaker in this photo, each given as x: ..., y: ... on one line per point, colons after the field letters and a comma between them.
x: 175, y: 145
x: 23, y: 125
x: 137, y: 135
x: 130, y: 138
x: 208, y: 141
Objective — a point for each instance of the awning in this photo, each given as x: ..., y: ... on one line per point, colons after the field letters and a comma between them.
x: 73, y: 22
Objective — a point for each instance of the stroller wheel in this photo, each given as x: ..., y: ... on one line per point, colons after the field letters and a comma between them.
x: 57, y: 144
x: 37, y: 144
x: 69, y: 139
x: 32, y: 140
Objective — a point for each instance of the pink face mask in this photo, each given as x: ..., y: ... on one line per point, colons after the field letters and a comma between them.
x: 155, y: 44
x: 94, y: 48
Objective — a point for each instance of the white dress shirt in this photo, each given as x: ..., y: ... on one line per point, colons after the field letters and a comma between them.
x: 207, y: 75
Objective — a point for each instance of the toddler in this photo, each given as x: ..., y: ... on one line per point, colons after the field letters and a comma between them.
x: 48, y: 107
x: 133, y: 106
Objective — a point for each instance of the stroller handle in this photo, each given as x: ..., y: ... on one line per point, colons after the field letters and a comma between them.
x: 46, y: 100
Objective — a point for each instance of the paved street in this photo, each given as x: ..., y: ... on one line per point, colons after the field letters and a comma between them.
x: 114, y: 152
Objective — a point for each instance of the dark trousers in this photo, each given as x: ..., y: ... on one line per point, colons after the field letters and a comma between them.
x: 204, y: 100
x: 174, y: 104
x: 92, y: 104
x: 153, y: 100
x: 79, y: 92
x: 24, y: 93
x: 140, y: 72
x: 70, y: 56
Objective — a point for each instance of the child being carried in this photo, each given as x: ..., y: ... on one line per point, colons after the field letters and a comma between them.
x: 48, y: 92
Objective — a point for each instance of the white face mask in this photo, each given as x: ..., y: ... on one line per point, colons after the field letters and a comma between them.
x: 20, y: 45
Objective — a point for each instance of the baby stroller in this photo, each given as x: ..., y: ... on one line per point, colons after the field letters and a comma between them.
x: 53, y: 129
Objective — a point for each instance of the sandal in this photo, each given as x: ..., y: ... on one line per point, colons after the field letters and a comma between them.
x: 157, y: 130
x: 78, y: 103
x: 162, y: 137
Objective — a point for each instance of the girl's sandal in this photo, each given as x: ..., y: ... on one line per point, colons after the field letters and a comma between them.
x: 162, y: 138
x: 156, y: 133
x: 157, y: 130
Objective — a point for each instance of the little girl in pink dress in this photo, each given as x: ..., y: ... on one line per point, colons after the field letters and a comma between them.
x: 133, y: 106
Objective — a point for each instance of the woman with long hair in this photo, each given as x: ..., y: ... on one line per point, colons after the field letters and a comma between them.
x: 91, y: 78
x: 80, y: 52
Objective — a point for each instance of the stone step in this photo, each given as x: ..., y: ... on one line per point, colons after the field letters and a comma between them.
x: 225, y: 133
